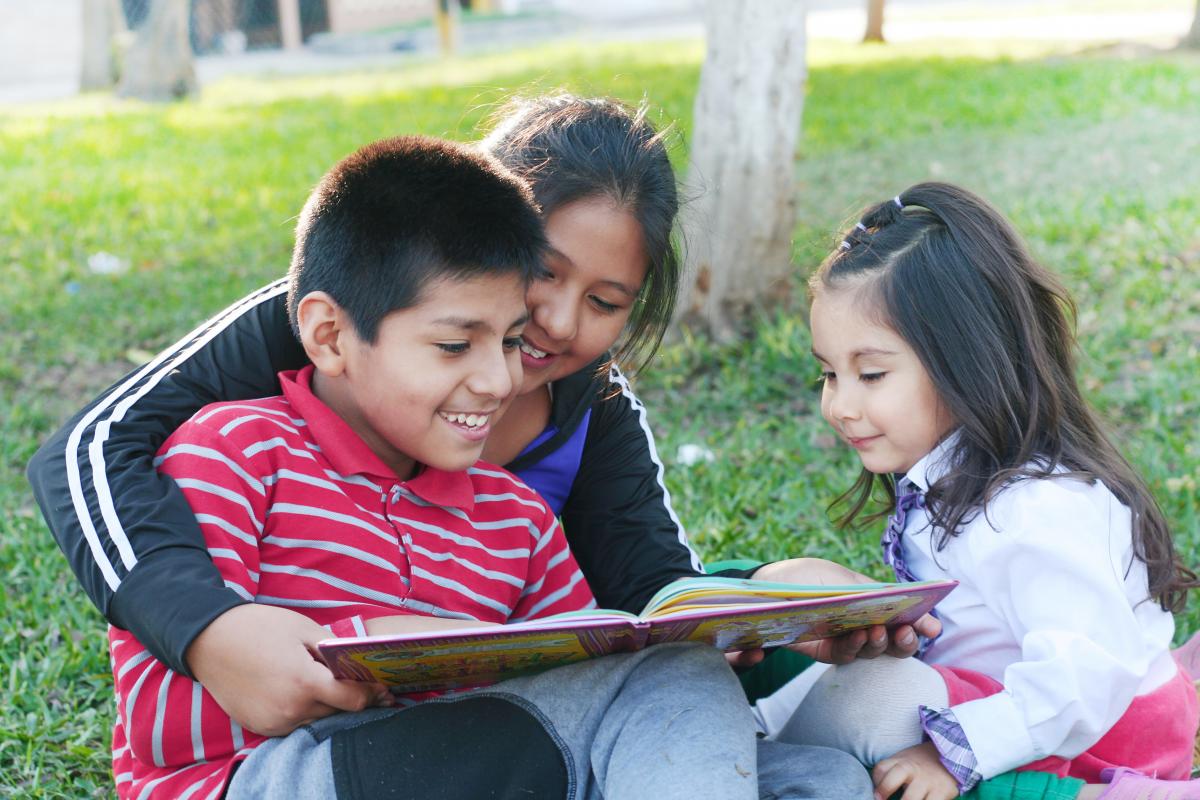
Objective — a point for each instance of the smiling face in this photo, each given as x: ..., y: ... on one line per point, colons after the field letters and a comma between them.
x: 429, y: 387
x: 877, y: 394
x: 578, y: 308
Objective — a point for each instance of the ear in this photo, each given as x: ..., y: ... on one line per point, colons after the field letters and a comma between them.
x: 324, y: 332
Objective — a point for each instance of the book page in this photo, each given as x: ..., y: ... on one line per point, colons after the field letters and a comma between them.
x: 696, y: 592
x: 461, y: 658
x: 773, y: 624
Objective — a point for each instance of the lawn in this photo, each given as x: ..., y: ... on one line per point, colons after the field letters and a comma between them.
x: 1095, y: 156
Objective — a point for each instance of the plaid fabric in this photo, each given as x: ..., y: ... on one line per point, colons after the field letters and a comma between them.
x: 908, y: 497
x: 954, y: 750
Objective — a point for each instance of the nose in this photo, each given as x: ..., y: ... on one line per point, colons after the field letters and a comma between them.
x: 841, y: 403
x: 556, y: 315
x: 496, y: 373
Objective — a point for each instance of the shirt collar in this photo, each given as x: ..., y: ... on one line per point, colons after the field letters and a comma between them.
x: 348, y: 454
x: 935, y: 464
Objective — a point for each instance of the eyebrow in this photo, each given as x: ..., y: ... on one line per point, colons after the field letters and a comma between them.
x: 620, y: 287
x: 866, y: 351
x: 468, y: 324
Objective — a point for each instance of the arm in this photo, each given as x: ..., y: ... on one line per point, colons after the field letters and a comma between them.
x: 260, y: 671
x: 161, y: 711
x: 554, y: 584
x: 618, y: 518
x: 1054, y: 563
x: 128, y: 533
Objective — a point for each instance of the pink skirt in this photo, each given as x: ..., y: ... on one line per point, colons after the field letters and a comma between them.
x: 1155, y: 736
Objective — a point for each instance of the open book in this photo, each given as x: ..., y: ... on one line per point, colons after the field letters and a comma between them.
x: 729, y: 613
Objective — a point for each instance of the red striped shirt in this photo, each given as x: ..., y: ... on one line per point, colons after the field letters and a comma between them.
x: 298, y: 512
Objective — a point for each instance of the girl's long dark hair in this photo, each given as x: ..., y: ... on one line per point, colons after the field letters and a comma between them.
x: 995, y: 332
x: 570, y: 148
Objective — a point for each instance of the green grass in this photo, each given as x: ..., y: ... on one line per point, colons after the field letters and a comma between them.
x: 1094, y: 156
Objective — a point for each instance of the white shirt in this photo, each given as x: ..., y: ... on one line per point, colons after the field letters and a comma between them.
x: 1052, y: 603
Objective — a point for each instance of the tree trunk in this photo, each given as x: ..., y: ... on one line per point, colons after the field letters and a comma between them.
x: 1193, y: 36
x: 448, y: 18
x: 874, y: 31
x: 289, y: 24
x: 738, y: 232
x: 159, y: 66
x: 103, y: 22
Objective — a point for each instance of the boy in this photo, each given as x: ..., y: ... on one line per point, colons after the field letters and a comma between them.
x: 355, y: 500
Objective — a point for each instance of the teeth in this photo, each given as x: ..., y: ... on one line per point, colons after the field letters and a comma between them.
x: 533, y: 351
x: 470, y: 420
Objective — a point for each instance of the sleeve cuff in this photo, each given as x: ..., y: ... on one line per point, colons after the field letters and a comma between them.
x: 169, y: 597
x: 746, y: 573
x: 349, y: 627
x: 954, y: 751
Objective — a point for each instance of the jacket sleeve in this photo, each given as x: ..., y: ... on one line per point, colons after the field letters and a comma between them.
x: 618, y: 518
x: 128, y: 532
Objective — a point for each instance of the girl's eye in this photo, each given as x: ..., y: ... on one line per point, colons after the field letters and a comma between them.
x: 454, y: 348
x: 871, y: 377
x: 543, y: 273
x: 603, y: 305
x: 512, y: 342
x: 826, y: 377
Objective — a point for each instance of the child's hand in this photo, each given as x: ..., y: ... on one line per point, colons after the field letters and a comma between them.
x: 900, y: 641
x: 918, y: 771
x: 255, y: 661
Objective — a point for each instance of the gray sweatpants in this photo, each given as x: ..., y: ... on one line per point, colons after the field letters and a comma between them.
x: 666, y: 722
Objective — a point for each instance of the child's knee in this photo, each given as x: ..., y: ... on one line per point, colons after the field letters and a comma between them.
x: 875, y: 686
x: 690, y: 662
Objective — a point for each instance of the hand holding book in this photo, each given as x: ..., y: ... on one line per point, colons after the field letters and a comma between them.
x: 728, y: 613
x: 899, y: 641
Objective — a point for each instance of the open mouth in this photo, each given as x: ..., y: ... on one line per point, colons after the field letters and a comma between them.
x: 471, y: 422
x: 532, y: 351
x: 533, y: 357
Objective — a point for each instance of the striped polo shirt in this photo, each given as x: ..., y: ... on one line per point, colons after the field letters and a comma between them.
x: 298, y: 512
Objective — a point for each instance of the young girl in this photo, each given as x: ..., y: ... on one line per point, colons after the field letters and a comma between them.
x: 948, y: 363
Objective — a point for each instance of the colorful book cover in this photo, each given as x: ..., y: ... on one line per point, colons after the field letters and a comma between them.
x: 728, y: 613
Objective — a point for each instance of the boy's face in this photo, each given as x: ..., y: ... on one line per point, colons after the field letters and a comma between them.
x: 876, y: 393
x: 430, y: 387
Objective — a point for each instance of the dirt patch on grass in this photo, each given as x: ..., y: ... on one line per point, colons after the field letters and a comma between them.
x: 59, y: 390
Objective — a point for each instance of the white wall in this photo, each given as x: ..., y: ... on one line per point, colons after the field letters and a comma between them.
x: 40, y: 48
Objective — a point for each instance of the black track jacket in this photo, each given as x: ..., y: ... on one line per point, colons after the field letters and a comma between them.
x: 134, y: 544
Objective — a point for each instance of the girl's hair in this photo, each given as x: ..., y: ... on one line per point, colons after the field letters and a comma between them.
x: 570, y: 148
x: 995, y: 332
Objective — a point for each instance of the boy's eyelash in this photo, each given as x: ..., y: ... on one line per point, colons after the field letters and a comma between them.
x: 871, y: 377
x: 512, y: 342
x: 454, y: 348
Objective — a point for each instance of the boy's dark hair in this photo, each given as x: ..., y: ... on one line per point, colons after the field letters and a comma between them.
x: 995, y: 332
x: 570, y: 148
x: 398, y: 213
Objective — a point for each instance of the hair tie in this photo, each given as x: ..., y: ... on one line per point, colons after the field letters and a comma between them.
x: 844, y: 245
x: 896, y: 200
x: 860, y: 226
